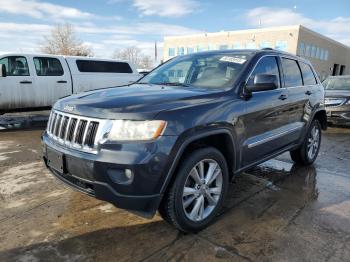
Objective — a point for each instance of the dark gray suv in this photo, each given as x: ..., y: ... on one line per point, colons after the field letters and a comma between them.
x: 173, y: 140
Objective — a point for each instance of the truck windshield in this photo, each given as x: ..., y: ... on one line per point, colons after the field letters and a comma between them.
x: 200, y: 70
x: 337, y: 83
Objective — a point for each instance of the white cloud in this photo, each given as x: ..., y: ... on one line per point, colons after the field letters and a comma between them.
x: 337, y: 28
x: 41, y: 10
x: 20, y: 37
x: 166, y: 8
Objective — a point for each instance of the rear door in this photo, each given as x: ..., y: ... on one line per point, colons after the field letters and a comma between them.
x: 266, y: 118
x: 53, y: 79
x: 300, y: 81
x: 17, y: 89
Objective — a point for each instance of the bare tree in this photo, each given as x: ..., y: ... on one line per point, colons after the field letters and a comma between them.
x: 134, y: 55
x: 63, y: 41
x: 146, y: 62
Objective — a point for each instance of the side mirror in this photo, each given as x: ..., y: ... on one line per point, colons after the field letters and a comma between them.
x: 2, y: 70
x: 263, y: 82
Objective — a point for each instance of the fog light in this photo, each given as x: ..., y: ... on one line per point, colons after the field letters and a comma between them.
x: 120, y: 176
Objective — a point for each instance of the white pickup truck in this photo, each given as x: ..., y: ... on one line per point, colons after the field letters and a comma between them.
x: 30, y: 81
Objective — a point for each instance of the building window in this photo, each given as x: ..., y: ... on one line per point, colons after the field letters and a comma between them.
x: 171, y: 73
x: 301, y: 49
x: 326, y: 55
x: 223, y: 47
x: 321, y: 53
x: 251, y: 45
x: 180, y: 51
x: 190, y: 50
x: 237, y: 45
x: 265, y: 44
x: 318, y: 53
x: 281, y: 45
x: 313, y: 51
x: 171, y: 51
x: 308, y: 50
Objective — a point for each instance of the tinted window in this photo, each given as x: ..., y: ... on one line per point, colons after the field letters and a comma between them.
x: 103, y: 66
x: 267, y: 65
x: 291, y: 72
x: 15, y: 65
x: 308, y: 75
x: 48, y: 66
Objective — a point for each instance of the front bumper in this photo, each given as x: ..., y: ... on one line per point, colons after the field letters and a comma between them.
x: 339, y: 115
x: 92, y: 173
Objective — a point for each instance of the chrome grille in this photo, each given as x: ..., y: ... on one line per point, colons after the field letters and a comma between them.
x: 82, y: 133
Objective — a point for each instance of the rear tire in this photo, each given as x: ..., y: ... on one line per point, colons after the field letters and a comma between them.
x: 307, y: 153
x: 198, y: 191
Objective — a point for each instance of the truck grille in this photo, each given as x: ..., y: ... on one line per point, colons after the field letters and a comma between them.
x: 82, y: 133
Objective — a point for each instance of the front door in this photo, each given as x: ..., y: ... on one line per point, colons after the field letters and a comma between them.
x: 266, y: 117
x: 17, y: 88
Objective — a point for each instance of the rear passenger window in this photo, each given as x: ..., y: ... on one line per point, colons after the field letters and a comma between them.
x: 291, y: 72
x: 48, y: 66
x: 15, y: 65
x: 103, y: 67
x: 308, y: 75
x: 267, y: 65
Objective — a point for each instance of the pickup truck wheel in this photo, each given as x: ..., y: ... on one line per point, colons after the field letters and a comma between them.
x: 197, y: 194
x: 307, y: 153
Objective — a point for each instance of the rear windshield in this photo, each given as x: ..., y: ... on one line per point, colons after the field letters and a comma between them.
x: 206, y: 70
x: 103, y: 66
x: 337, y: 83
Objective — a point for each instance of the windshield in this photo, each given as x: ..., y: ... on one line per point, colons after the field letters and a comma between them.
x: 200, y: 70
x: 337, y: 84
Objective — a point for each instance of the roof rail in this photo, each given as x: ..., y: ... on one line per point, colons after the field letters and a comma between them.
x: 267, y: 48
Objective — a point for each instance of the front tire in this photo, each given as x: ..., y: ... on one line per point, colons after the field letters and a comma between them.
x: 307, y: 153
x: 198, y: 192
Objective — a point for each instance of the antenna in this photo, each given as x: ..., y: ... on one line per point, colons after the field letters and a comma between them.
x: 259, y: 23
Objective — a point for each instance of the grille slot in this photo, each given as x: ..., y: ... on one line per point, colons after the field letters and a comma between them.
x: 75, y: 131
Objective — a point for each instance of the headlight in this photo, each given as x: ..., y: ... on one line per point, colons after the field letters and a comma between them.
x: 129, y: 130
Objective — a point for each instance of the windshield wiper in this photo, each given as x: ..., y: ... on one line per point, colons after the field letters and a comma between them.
x: 172, y: 84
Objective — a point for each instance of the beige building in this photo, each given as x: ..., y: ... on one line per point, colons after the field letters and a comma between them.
x: 328, y: 56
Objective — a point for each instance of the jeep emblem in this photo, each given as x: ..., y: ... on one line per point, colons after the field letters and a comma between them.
x: 68, y: 108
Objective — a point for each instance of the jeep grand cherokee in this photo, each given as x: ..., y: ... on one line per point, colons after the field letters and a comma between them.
x: 173, y: 140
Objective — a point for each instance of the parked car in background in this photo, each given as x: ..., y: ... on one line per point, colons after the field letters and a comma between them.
x: 337, y: 99
x: 30, y: 81
x: 173, y: 140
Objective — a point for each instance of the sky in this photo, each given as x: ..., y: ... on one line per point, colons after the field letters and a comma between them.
x: 107, y: 25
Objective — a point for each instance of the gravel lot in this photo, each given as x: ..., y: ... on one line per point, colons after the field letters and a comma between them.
x: 275, y: 212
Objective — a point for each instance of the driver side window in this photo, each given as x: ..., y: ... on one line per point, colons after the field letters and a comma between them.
x: 15, y: 65
x: 267, y: 65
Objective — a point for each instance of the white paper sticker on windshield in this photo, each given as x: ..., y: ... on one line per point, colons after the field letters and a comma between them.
x: 231, y: 59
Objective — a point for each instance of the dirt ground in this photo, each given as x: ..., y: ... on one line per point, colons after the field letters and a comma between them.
x: 275, y: 212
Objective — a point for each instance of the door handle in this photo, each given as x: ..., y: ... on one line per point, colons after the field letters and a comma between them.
x: 308, y: 92
x: 25, y: 82
x: 62, y: 82
x: 283, y: 97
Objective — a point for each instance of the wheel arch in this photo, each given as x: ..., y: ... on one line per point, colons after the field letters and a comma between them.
x: 222, y: 139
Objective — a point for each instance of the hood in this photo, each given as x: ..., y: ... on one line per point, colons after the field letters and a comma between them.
x: 133, y: 102
x: 337, y: 93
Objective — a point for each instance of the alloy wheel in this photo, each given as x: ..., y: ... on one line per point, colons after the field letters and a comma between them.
x: 202, y: 190
x: 313, y: 142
